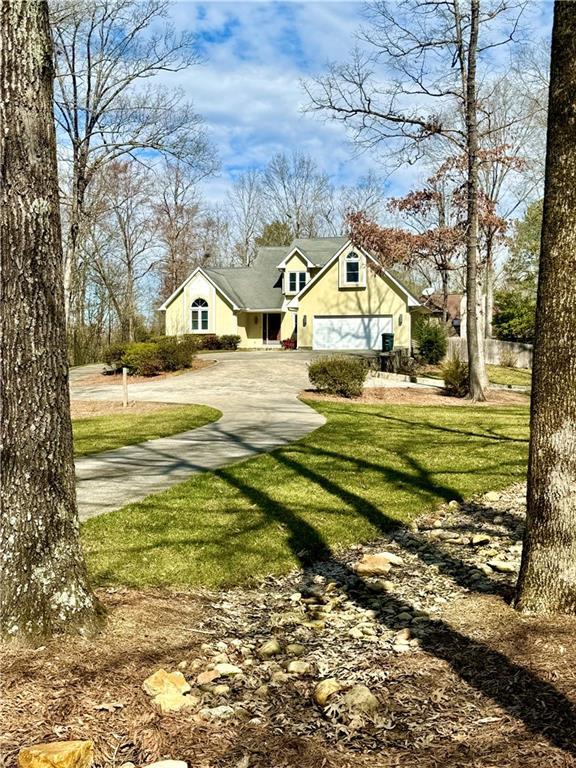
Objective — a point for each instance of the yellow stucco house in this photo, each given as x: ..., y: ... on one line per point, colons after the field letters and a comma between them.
x: 325, y: 293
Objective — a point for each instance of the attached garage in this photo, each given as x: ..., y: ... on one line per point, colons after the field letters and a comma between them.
x: 350, y: 331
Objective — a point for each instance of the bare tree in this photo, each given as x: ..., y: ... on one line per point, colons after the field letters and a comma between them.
x: 44, y: 586
x: 366, y: 196
x: 246, y: 207
x: 176, y: 210
x: 297, y: 193
x: 107, y: 52
x: 430, y: 49
x: 547, y: 582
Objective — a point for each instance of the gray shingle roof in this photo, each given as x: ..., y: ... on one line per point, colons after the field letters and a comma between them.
x: 259, y: 286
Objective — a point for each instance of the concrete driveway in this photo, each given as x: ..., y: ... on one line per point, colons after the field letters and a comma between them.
x: 257, y: 394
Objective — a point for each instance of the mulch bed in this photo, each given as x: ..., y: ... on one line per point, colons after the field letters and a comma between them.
x: 470, y: 683
x: 116, y: 378
x: 418, y: 396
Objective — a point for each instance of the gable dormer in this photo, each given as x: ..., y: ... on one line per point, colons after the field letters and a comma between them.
x: 295, y: 272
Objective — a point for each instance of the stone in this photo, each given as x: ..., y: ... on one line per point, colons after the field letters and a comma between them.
x: 295, y: 649
x: 498, y: 520
x: 279, y: 677
x: 400, y: 647
x: 503, y: 566
x: 453, y: 504
x: 262, y: 692
x: 168, y: 764
x: 223, y: 712
x: 270, y: 648
x: 298, y: 667
x: 325, y: 689
x: 163, y: 682
x: 403, y: 636
x: 207, y: 677
x: 221, y: 690
x: 360, y: 700
x: 228, y: 670
x: 356, y: 633
x: 173, y: 701
x: 378, y: 564
x: 57, y: 754
x: 492, y: 496
x: 480, y: 538
x: 404, y: 616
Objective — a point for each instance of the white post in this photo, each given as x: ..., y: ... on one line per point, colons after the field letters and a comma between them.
x: 125, y: 387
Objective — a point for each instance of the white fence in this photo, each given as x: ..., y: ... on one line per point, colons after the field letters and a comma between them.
x: 494, y: 350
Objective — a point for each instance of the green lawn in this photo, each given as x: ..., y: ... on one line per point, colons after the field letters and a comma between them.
x: 103, y: 433
x: 367, y: 469
x: 497, y: 374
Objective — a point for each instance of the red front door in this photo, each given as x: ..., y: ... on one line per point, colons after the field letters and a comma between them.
x: 271, y: 327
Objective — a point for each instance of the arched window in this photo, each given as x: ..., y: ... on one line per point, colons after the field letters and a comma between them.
x: 200, y: 315
x: 352, y: 268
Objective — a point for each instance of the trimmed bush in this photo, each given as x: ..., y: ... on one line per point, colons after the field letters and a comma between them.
x: 432, y: 342
x: 174, y: 353
x: 455, y: 373
x: 338, y: 375
x: 207, y: 341
x: 113, y: 354
x: 229, y: 341
x: 142, y: 359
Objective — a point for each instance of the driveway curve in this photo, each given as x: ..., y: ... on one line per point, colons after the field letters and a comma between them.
x: 257, y: 393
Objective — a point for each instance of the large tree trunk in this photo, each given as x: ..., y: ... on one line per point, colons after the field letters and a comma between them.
x: 476, y: 366
x: 44, y: 587
x: 547, y: 582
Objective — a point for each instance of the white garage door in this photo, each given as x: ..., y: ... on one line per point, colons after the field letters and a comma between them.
x: 350, y: 332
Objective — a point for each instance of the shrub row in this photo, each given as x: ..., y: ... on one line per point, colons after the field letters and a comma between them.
x: 211, y: 341
x: 148, y: 358
x: 338, y: 375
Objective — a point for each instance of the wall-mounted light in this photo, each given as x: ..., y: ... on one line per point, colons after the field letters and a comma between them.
x: 400, y: 319
x: 304, y: 321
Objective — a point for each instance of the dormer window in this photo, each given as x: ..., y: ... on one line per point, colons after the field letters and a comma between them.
x: 199, y: 315
x: 296, y: 281
x: 352, y: 268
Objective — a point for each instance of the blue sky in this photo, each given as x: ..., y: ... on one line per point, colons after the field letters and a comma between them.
x: 248, y: 90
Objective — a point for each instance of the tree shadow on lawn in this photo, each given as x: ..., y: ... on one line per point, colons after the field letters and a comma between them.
x: 542, y: 708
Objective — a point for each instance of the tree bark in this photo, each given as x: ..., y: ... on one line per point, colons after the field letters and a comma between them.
x: 547, y: 582
x: 476, y: 366
x: 44, y: 586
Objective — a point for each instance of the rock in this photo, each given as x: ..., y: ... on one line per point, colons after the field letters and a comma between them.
x: 223, y: 712
x: 356, y: 633
x: 295, y: 649
x: 228, y: 670
x: 403, y: 636
x: 164, y: 682
x: 503, y: 566
x: 298, y: 667
x: 360, y: 700
x: 279, y: 677
x: 270, y: 648
x: 480, y: 538
x: 498, y: 520
x: 57, y: 754
x: 173, y: 701
x: 492, y: 496
x: 453, y: 504
x: 378, y: 564
x: 221, y: 690
x: 400, y: 647
x: 262, y: 692
x: 168, y: 764
x: 325, y: 689
x: 404, y: 616
x: 207, y: 677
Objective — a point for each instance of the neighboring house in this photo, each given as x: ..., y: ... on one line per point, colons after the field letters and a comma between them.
x: 435, y: 303
x: 323, y: 292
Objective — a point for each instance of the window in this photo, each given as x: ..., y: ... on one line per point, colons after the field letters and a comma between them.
x: 199, y: 315
x: 352, y: 268
x: 296, y: 281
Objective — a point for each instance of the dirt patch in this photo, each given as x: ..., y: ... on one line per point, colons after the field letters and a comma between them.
x: 84, y: 409
x: 418, y: 396
x: 461, y: 680
x: 104, y: 379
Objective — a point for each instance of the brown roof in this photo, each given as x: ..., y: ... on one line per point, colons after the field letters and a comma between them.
x: 435, y: 302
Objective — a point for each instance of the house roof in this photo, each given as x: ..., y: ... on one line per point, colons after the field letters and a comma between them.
x: 435, y: 301
x: 258, y: 286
